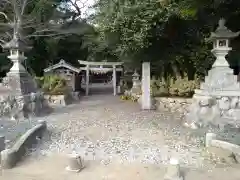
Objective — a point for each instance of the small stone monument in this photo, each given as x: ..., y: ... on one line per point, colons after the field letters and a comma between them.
x: 75, y: 163
x: 173, y: 171
x: 216, y: 102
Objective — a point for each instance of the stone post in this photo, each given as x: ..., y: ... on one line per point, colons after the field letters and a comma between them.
x: 2, y: 143
x: 173, y: 171
x: 209, y: 138
x: 75, y: 163
x: 114, y: 81
x: 87, y: 80
x: 146, y: 94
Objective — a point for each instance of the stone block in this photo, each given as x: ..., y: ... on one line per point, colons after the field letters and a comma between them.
x: 173, y: 171
x: 10, y: 157
x: 224, y: 103
x: 208, y: 139
x: 22, y: 106
x: 58, y: 100
x: 75, y: 163
x: 226, y: 145
x: 2, y: 143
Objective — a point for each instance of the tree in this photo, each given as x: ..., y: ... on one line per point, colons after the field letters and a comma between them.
x: 169, y: 33
x: 36, y: 20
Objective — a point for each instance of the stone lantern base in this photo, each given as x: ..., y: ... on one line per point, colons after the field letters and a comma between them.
x: 16, y: 107
x: 20, y: 97
x: 217, y: 102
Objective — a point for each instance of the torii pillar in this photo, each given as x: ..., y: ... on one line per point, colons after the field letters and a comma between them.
x: 87, y: 80
x: 114, y: 80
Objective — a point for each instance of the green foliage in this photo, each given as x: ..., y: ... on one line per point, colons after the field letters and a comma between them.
x: 181, y: 86
x: 159, y: 87
x: 52, y: 84
x: 126, y: 98
x: 168, y: 33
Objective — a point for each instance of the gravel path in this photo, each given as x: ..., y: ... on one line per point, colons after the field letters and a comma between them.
x: 104, y: 128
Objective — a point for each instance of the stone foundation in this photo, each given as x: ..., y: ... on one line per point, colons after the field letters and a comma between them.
x: 22, y: 106
x: 214, y: 110
x: 58, y: 100
x: 172, y: 104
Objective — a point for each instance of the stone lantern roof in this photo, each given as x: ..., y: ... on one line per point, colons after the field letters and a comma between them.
x: 222, y: 32
x: 17, y: 44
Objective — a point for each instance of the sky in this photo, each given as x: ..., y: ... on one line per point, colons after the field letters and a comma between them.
x: 86, y: 11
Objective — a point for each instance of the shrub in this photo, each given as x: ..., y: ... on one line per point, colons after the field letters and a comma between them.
x: 39, y: 81
x: 125, y: 97
x: 183, y: 87
x: 159, y: 87
x: 174, y: 87
x: 52, y: 84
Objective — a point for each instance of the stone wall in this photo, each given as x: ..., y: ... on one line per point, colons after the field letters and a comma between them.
x: 173, y: 104
x: 62, y: 100
x: 57, y: 100
x: 22, y: 106
x: 214, y: 110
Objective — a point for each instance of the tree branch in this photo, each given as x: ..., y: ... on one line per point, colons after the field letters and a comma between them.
x: 23, y: 6
x: 2, y: 42
x: 5, y: 16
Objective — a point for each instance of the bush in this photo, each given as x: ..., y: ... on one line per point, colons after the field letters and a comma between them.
x: 52, y: 84
x: 183, y: 87
x: 159, y: 87
x: 180, y: 86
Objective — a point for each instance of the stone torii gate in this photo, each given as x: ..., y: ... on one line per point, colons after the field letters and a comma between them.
x: 101, y: 68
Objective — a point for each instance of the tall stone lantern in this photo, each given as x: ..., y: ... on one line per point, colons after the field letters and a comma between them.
x: 26, y: 99
x: 219, y: 95
x: 221, y: 43
x: 18, y: 79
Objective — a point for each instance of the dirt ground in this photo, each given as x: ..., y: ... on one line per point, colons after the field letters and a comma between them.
x: 53, y: 168
x: 104, y: 118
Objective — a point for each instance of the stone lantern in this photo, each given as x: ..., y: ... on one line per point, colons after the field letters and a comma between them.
x: 136, y: 88
x: 216, y: 101
x: 27, y: 99
x: 16, y: 48
x: 221, y: 43
x: 18, y: 79
x: 135, y: 78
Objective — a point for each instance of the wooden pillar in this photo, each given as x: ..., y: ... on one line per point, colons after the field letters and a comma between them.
x: 114, y: 80
x: 87, y: 80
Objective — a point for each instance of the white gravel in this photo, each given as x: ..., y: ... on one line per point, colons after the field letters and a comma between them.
x: 104, y: 128
x: 107, y: 129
